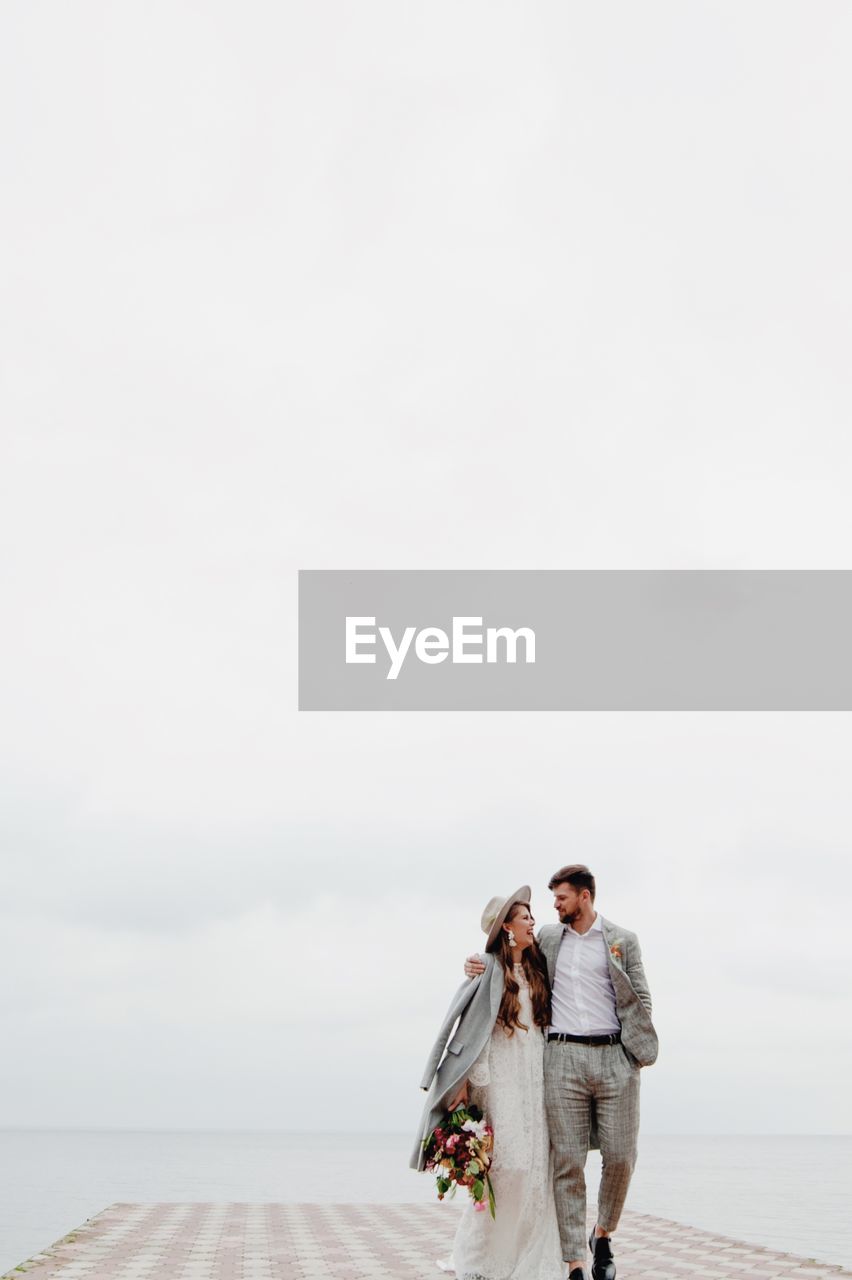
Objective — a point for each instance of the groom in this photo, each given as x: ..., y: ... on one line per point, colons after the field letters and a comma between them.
x: 600, y: 1035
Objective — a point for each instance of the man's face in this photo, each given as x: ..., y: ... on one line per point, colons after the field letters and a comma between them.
x: 568, y: 902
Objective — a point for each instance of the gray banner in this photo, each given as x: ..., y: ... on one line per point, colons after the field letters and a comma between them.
x: 575, y: 640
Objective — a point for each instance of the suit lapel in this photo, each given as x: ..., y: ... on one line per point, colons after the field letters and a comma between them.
x: 609, y: 938
x: 550, y: 947
x: 615, y: 956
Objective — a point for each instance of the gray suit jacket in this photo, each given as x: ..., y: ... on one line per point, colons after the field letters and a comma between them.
x: 475, y: 1007
x: 632, y: 997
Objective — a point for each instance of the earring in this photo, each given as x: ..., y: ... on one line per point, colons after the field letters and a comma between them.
x: 511, y: 936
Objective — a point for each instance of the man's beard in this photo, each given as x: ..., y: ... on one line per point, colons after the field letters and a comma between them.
x: 570, y: 916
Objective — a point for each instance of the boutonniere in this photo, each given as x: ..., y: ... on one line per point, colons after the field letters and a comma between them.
x: 615, y: 951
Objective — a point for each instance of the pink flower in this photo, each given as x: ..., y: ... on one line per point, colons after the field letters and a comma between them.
x: 479, y: 1206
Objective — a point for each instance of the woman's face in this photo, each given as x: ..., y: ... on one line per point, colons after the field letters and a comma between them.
x: 522, y: 925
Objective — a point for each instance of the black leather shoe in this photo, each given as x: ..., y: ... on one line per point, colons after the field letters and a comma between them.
x: 603, y: 1267
x: 577, y: 1274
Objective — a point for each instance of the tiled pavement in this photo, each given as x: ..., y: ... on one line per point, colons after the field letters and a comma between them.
x: 358, y: 1242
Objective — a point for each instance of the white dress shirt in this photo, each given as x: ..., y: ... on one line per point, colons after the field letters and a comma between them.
x: 583, y: 998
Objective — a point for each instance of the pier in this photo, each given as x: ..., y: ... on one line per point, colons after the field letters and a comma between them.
x: 359, y: 1242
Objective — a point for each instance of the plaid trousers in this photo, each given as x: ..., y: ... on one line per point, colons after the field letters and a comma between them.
x: 575, y: 1077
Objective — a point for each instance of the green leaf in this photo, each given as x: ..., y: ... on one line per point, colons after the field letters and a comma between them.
x: 492, y: 1203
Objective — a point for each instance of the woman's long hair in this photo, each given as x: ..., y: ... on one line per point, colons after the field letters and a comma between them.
x: 535, y: 970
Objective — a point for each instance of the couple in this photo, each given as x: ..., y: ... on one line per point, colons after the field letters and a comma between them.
x: 550, y: 1038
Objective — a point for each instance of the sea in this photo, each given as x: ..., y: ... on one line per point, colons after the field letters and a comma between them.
x: 788, y: 1193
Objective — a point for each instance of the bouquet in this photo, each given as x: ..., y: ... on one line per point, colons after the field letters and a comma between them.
x: 460, y: 1153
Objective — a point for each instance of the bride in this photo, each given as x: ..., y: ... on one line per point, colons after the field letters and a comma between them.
x: 495, y: 1061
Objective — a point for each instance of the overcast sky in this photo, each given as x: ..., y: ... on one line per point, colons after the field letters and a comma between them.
x: 395, y: 286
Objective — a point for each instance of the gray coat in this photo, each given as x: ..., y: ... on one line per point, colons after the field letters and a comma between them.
x: 475, y: 1007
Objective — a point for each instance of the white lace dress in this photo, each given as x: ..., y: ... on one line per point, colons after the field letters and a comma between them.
x: 522, y: 1243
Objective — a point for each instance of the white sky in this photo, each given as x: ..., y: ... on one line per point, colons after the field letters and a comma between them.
x: 473, y: 286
